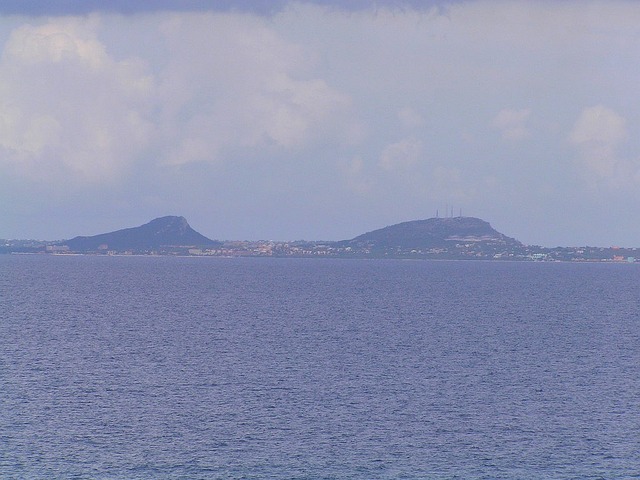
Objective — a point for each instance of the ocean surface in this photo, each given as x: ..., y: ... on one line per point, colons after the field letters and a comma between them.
x: 210, y: 368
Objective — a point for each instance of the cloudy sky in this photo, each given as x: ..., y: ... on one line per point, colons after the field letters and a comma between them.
x: 321, y: 120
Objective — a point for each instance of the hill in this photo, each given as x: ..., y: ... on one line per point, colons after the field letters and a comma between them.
x: 434, y: 233
x: 167, y: 231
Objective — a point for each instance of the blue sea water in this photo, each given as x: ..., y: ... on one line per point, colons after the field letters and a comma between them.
x: 207, y: 368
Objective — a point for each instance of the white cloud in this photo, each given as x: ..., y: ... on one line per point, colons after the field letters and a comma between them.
x: 231, y: 81
x: 67, y: 109
x: 250, y: 105
x: 401, y: 155
x: 597, y: 134
x: 512, y: 124
x: 55, y: 42
x: 598, y: 125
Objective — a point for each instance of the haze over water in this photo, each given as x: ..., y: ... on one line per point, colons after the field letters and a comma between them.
x: 159, y: 367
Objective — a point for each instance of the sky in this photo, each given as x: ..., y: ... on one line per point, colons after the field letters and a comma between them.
x: 321, y: 120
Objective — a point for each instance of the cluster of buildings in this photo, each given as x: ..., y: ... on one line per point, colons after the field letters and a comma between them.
x: 453, y: 250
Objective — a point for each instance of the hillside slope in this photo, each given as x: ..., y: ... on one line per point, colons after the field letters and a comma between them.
x: 434, y: 233
x: 161, y: 232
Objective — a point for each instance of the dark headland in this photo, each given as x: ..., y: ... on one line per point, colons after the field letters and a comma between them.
x: 457, y: 238
x: 169, y: 231
x: 434, y: 233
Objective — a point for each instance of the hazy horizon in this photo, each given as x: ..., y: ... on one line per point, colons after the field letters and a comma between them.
x: 320, y: 239
x: 224, y: 239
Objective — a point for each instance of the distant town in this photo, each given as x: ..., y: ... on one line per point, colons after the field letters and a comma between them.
x: 454, y: 238
x: 456, y: 251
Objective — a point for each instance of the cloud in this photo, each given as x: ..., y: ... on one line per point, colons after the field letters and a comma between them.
x: 222, y: 105
x: 262, y: 7
x: 401, y: 155
x: 232, y: 82
x: 512, y: 124
x: 67, y: 109
x: 597, y: 134
x: 598, y: 125
x: 229, y: 85
x: 83, y: 7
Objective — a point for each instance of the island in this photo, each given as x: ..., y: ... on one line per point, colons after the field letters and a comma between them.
x: 439, y: 238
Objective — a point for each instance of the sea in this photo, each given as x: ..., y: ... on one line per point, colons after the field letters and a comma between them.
x: 261, y: 368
